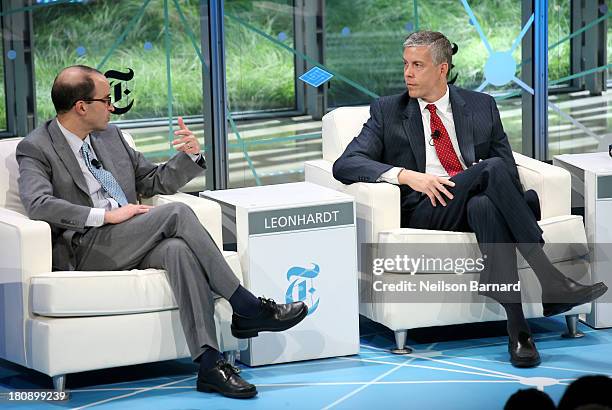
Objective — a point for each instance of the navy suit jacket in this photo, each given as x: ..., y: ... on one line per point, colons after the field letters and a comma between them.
x: 394, y: 137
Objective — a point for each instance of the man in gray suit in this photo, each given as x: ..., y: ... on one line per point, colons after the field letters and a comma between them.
x: 78, y: 174
x: 447, y: 150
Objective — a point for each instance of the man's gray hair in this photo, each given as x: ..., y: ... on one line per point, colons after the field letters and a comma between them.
x: 441, y: 49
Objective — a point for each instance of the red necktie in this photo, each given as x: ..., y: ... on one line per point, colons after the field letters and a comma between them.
x: 444, y: 147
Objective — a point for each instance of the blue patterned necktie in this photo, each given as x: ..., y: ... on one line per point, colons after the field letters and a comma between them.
x: 105, y: 178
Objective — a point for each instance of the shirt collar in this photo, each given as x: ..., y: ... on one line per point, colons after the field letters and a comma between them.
x: 73, y: 140
x: 442, y: 105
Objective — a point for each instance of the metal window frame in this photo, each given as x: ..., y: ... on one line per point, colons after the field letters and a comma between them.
x: 214, y: 93
x: 309, y: 24
x: 588, y: 50
x: 540, y: 82
x: 19, y: 84
x: 535, y: 107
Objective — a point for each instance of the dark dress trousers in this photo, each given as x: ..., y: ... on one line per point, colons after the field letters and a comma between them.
x: 489, y: 199
x: 53, y: 189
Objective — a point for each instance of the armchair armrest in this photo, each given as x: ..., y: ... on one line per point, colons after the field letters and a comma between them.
x: 26, y: 247
x: 378, y: 208
x: 378, y: 204
x: 553, y: 185
x: 207, y: 211
x: 25, y: 251
x: 320, y: 172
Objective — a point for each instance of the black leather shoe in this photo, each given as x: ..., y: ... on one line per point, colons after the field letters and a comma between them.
x: 572, y: 294
x: 523, y: 352
x: 224, y: 379
x: 271, y: 318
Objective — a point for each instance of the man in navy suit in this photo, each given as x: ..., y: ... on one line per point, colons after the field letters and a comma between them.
x: 447, y: 150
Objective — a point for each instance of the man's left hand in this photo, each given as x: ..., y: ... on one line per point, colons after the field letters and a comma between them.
x: 186, y: 141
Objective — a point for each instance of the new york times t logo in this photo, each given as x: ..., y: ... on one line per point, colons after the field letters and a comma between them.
x: 120, y: 89
x: 302, y: 287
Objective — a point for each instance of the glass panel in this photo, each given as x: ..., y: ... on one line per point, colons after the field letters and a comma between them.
x: 361, y: 45
x: 260, y: 74
x: 579, y: 115
x: 265, y: 145
x: 130, y: 40
x: 559, y: 58
x: 373, y: 58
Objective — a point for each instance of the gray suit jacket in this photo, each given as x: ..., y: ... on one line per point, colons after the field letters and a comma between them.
x: 53, y: 189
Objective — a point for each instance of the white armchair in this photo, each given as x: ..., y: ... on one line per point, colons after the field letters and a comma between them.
x: 378, y: 221
x: 66, y: 322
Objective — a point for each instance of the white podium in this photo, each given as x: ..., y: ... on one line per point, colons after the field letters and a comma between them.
x: 592, y: 190
x: 297, y: 242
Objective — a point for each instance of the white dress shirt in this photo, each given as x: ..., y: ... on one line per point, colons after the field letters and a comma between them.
x: 101, y: 199
x: 433, y: 165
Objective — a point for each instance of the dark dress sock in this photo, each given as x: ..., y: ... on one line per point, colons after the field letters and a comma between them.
x: 244, y: 302
x: 209, y: 358
x: 549, y: 277
x: 516, y: 319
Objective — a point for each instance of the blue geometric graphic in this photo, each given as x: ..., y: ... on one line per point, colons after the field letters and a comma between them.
x: 301, y: 279
x: 345, y: 32
x: 315, y: 76
x: 500, y: 67
x: 81, y: 51
x: 12, y: 54
x: 148, y: 45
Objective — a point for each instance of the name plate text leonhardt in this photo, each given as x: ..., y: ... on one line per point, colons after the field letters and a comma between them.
x: 295, y: 219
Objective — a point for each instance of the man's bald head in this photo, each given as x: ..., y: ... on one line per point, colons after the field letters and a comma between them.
x: 72, y: 84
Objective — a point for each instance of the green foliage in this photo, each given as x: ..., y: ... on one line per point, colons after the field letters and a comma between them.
x: 260, y: 74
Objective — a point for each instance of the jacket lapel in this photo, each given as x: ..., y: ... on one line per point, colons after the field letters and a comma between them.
x: 413, y: 126
x: 67, y: 156
x: 462, y: 116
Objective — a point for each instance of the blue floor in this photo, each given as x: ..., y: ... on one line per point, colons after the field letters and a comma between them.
x: 453, y: 367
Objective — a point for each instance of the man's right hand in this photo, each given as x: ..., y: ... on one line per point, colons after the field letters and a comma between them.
x: 430, y: 185
x: 124, y: 213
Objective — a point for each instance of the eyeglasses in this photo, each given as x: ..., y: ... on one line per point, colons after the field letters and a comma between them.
x: 107, y: 101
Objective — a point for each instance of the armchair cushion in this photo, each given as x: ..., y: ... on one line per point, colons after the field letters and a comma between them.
x: 95, y: 293
x: 564, y: 235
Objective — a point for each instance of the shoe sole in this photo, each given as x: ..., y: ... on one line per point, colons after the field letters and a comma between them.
x: 562, y: 308
x: 526, y: 363
x: 245, y: 334
x: 209, y: 388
